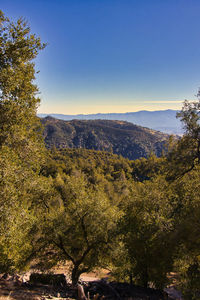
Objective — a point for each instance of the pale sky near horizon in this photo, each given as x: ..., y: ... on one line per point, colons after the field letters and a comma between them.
x: 114, y: 55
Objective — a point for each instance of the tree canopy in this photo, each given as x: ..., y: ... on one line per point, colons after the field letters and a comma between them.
x: 21, y: 146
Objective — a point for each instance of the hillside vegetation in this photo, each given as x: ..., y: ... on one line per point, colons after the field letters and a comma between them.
x: 119, y: 137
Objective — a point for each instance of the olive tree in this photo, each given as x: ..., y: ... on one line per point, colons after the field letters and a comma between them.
x: 80, y: 227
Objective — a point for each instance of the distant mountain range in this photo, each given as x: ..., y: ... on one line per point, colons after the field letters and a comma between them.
x: 120, y: 137
x: 162, y: 120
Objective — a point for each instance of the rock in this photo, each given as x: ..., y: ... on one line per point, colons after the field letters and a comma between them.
x: 56, y: 280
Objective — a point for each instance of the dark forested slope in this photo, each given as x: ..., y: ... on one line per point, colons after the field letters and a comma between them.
x: 119, y: 137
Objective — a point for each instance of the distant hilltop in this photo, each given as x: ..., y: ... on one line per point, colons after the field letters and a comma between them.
x: 160, y: 120
x: 119, y: 137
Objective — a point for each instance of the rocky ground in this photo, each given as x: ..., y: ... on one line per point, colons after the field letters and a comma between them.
x: 12, y: 288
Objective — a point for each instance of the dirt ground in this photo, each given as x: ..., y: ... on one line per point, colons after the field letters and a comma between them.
x: 95, y: 275
x: 12, y: 290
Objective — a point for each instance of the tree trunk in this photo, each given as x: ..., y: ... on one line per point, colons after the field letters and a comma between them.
x: 145, y: 278
x: 75, y: 274
x: 130, y: 278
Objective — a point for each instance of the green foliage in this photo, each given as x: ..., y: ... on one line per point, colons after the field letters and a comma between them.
x: 148, y: 168
x: 188, y: 270
x: 21, y: 147
x: 182, y: 170
x: 186, y: 216
x: 18, y: 101
x: 93, y: 164
x: 190, y: 116
x: 147, y: 228
x: 80, y: 226
x: 184, y: 155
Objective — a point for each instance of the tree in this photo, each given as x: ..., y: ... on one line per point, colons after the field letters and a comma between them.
x: 21, y: 146
x: 18, y: 101
x: 184, y: 154
x: 186, y: 219
x: 147, y: 227
x: 190, y: 116
x: 80, y: 226
x: 183, y: 171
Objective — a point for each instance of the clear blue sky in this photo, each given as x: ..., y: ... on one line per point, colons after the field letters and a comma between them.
x: 114, y: 55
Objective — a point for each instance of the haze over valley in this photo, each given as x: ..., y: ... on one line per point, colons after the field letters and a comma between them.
x: 162, y: 120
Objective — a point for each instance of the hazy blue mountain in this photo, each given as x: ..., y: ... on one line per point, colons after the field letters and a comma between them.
x: 161, y: 120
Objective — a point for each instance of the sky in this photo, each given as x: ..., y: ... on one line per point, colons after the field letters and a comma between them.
x: 113, y: 55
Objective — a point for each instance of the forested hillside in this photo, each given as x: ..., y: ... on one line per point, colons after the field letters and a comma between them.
x: 119, y: 137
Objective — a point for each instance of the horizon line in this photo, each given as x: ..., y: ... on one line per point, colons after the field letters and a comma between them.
x: 106, y: 113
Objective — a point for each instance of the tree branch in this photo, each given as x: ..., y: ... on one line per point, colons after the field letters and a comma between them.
x: 84, y: 229
x: 61, y: 247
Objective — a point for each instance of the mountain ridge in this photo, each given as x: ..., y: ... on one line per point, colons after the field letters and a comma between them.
x: 160, y: 120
